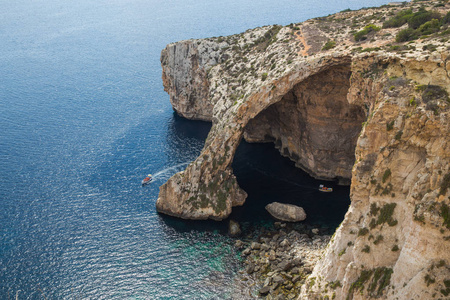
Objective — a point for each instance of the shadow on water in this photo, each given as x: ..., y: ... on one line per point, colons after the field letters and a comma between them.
x: 267, y: 177
x: 183, y: 133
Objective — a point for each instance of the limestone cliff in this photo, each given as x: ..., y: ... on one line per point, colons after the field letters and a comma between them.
x: 344, y: 100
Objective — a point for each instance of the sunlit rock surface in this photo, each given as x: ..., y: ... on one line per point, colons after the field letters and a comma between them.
x: 363, y: 112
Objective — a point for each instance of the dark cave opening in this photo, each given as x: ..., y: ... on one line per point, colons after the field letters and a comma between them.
x: 314, y: 125
x: 306, y: 139
x: 269, y: 177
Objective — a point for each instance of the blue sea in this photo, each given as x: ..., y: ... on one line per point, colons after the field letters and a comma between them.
x: 83, y: 118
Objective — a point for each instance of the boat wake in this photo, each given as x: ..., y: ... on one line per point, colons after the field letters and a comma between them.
x: 169, y: 172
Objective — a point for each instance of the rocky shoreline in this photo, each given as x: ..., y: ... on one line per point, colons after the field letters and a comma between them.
x: 277, y: 262
x: 360, y: 96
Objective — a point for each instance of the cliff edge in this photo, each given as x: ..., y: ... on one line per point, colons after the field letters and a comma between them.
x: 360, y: 97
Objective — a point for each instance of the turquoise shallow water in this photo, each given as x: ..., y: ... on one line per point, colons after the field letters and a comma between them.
x: 84, y: 118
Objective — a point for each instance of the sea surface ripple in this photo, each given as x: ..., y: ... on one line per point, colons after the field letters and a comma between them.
x: 84, y: 118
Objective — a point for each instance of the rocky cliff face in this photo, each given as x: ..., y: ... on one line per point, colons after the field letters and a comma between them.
x: 394, y: 241
x: 373, y: 111
x: 184, y: 78
x: 314, y: 124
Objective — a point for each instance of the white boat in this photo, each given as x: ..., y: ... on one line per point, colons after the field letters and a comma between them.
x: 325, y: 189
x: 147, y: 179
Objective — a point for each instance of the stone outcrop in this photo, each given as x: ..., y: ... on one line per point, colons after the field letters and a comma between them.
x: 184, y: 78
x: 395, y: 233
x: 286, y: 212
x: 373, y: 111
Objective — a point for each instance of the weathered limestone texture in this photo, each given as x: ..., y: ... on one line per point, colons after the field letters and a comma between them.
x: 395, y: 240
x: 373, y: 112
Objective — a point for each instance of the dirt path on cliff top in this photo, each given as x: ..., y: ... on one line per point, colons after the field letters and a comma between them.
x: 302, y: 40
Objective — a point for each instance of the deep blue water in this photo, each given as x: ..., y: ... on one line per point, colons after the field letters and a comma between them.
x: 83, y: 118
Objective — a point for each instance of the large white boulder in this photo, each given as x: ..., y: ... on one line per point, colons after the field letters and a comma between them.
x: 286, y: 212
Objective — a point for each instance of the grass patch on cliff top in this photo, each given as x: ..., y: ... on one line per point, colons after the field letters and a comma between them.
x: 362, y: 34
x: 329, y: 45
x: 420, y: 24
x: 267, y: 39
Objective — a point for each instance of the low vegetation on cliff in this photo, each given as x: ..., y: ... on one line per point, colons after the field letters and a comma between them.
x: 358, y: 95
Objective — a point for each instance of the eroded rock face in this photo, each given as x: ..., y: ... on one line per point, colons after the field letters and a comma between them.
x: 395, y: 233
x: 314, y: 125
x: 208, y: 187
x: 184, y: 67
x: 276, y: 84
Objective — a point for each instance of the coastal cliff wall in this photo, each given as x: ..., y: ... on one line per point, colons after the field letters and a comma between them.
x: 372, y: 111
x: 394, y: 241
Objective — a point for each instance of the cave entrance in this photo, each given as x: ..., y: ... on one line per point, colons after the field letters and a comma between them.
x: 315, y: 130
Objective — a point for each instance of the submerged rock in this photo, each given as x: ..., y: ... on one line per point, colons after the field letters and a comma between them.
x: 239, y: 244
x: 286, y: 212
x: 233, y: 228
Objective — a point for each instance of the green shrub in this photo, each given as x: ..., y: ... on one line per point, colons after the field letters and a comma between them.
x: 405, y: 35
x: 430, y: 27
x: 422, y: 22
x: 378, y: 239
x: 363, y: 231
x: 386, y: 175
x: 395, y: 248
x: 373, y: 223
x: 430, y: 47
x: 264, y: 76
x: 381, y: 279
x: 370, y: 49
x: 360, y: 282
x: 374, y: 209
x: 432, y: 92
x: 445, y: 214
x: 390, y: 125
x: 421, y: 17
x: 386, y: 213
x: 446, y: 291
x: 366, y: 249
x: 387, y: 189
x: 429, y: 280
x: 399, y: 19
x: 362, y: 35
x: 445, y: 184
x: 446, y: 19
x: 335, y: 284
x: 329, y: 45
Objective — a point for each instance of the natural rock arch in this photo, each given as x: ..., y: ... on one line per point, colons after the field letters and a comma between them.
x: 208, y: 187
x: 314, y: 125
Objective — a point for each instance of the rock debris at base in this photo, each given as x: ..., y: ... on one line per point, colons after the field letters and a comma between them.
x: 277, y: 262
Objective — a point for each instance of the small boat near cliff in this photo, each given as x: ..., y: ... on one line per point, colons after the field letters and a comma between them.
x: 325, y: 189
x: 147, y: 179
